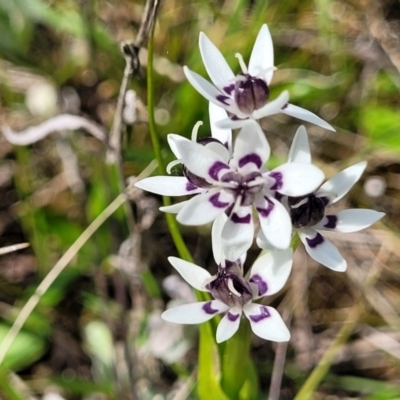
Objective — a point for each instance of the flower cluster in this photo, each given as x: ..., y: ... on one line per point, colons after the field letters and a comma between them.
x: 231, y: 186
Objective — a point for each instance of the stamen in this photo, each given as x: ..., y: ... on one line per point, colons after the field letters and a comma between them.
x: 300, y: 203
x: 208, y: 281
x: 237, y: 204
x: 172, y: 165
x: 232, y: 288
x: 195, y: 130
x: 241, y: 63
x: 266, y: 70
x: 256, y: 182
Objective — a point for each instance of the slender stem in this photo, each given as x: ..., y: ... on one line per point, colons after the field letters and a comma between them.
x: 281, y: 348
x: 277, y: 371
x: 172, y: 224
x: 55, y: 272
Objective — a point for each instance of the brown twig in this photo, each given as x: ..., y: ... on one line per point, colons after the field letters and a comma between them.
x: 130, y: 51
x: 279, y: 363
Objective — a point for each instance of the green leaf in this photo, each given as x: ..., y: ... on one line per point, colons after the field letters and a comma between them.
x: 24, y: 351
x: 209, y: 374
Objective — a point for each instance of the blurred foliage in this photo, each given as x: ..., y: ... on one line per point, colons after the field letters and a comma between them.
x: 331, y: 64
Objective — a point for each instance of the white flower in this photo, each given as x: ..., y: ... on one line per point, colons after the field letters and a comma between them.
x: 232, y: 183
x: 245, y: 95
x: 308, y: 212
x: 234, y: 295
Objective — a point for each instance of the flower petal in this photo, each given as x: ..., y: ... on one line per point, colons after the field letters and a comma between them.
x: 275, y: 222
x: 168, y: 185
x: 263, y: 243
x: 322, y: 250
x: 251, y: 149
x: 229, y: 324
x: 219, y: 149
x: 206, y: 89
x: 266, y: 323
x: 342, y: 182
x: 296, y: 179
x: 238, y: 233
x: 262, y: 55
x: 194, y: 275
x: 217, y: 67
x: 173, y: 140
x: 300, y: 149
x: 200, y: 160
x: 204, y: 208
x: 194, y: 313
x: 174, y: 208
x: 305, y: 115
x: 224, y: 135
x: 229, y: 123
x: 352, y: 220
x: 272, y: 107
x: 271, y: 271
x: 216, y: 238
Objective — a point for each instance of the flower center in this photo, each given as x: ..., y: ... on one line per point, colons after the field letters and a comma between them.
x: 251, y: 93
x: 230, y: 287
x: 306, y: 210
x: 246, y: 186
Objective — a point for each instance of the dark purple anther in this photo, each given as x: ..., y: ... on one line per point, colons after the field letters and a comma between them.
x: 251, y: 93
x: 190, y: 186
x: 195, y: 180
x: 230, y: 287
x: 306, y: 210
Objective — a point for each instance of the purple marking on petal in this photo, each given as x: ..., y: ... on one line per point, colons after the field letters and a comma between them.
x: 313, y: 243
x: 232, y: 317
x: 229, y: 89
x: 251, y: 158
x: 259, y: 317
x: 223, y: 99
x: 332, y: 221
x: 214, y: 200
x: 241, y: 220
x: 208, y: 309
x: 216, y: 168
x: 262, y: 285
x: 190, y: 186
x: 264, y: 212
x: 236, y: 118
x: 278, y: 180
x: 285, y: 106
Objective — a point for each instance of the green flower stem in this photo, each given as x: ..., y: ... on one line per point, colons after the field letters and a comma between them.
x: 236, y: 364
x: 209, y: 364
x: 171, y: 221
